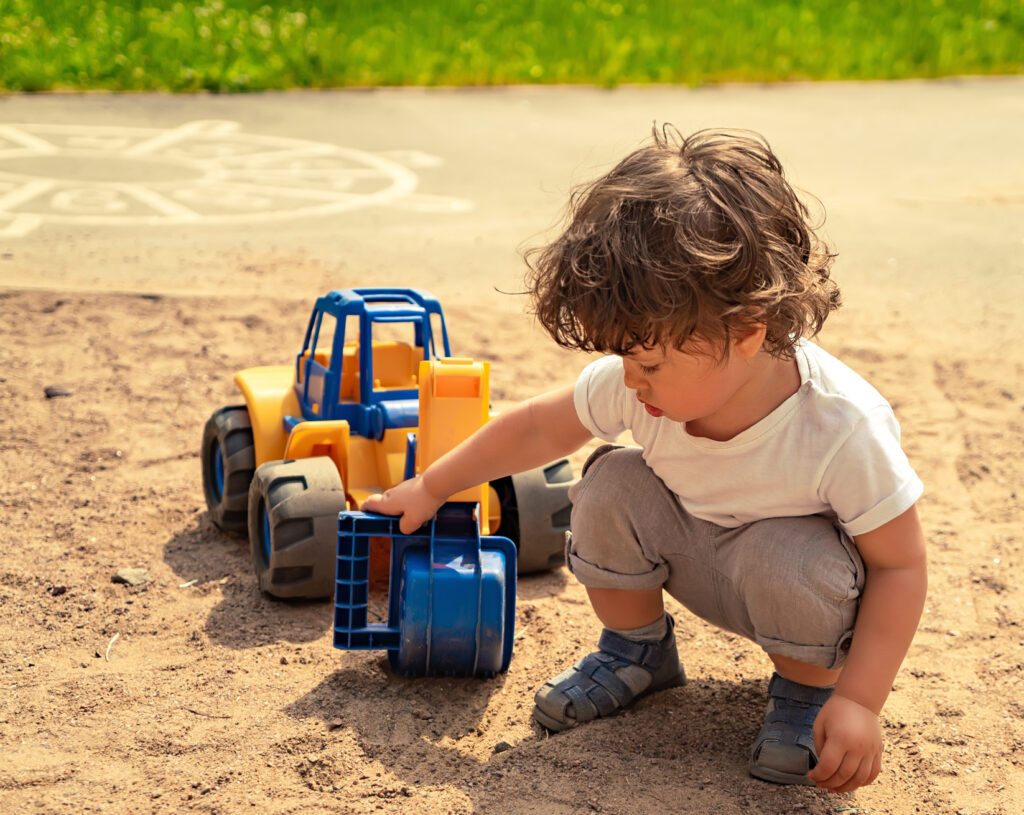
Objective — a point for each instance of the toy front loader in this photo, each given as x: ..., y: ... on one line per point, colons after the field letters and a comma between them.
x: 342, y: 422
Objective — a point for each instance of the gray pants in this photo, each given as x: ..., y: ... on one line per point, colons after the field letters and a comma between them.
x: 792, y: 585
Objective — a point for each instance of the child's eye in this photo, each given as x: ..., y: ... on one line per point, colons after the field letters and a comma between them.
x: 648, y: 370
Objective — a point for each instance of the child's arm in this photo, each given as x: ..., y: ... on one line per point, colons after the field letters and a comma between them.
x: 528, y: 435
x: 847, y: 734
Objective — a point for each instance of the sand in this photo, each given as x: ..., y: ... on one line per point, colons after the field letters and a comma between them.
x: 195, y: 692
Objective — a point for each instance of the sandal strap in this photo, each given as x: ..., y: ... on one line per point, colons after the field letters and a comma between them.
x: 785, y: 734
x: 783, y: 689
x: 649, y: 655
x: 785, y: 716
x: 601, y: 671
x: 595, y: 690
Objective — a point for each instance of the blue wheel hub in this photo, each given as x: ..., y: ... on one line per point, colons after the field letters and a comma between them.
x: 265, y: 533
x: 218, y: 470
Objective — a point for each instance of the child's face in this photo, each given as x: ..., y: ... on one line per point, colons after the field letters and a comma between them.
x: 694, y: 385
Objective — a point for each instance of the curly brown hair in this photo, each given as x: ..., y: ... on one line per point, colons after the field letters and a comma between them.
x: 685, y: 237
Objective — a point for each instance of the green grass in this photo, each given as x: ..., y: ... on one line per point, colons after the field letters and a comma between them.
x: 235, y: 45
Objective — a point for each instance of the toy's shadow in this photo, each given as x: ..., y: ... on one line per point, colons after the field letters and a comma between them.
x: 387, y: 712
x: 426, y: 732
x: 209, y: 559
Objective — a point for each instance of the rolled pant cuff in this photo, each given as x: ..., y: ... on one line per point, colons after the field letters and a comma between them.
x: 597, y: 578
x: 830, y: 657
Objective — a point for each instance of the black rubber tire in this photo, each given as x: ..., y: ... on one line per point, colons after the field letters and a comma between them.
x: 535, y: 511
x: 228, y: 460
x: 293, y: 526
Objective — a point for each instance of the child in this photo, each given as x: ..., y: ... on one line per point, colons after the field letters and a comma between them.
x: 769, y: 494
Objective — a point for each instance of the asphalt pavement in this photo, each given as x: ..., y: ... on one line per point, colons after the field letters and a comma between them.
x: 922, y: 182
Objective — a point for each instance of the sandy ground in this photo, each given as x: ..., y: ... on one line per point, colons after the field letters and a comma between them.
x: 196, y: 693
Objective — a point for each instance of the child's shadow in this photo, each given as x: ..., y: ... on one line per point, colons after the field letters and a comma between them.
x: 683, y: 750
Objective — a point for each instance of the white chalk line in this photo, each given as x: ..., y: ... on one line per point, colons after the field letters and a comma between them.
x: 252, y: 181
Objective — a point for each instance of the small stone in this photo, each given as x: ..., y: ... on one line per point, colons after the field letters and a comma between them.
x: 334, y: 724
x: 57, y: 591
x: 55, y: 391
x: 422, y: 714
x: 131, y: 577
x: 502, y: 746
x: 284, y: 660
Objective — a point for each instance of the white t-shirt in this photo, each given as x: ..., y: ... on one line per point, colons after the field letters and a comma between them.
x: 832, y: 448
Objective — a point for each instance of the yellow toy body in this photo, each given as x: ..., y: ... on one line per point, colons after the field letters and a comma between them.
x: 453, y: 404
x: 355, y: 415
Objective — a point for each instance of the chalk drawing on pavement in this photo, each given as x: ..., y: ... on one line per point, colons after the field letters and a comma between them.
x: 202, y: 172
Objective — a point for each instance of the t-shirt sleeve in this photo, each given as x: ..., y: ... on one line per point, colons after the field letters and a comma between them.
x: 869, y: 481
x: 599, y: 400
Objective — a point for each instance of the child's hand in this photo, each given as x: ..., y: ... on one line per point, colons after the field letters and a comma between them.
x: 410, y: 499
x: 848, y: 739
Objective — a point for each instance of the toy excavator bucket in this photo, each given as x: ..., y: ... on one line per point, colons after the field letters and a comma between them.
x: 451, y: 598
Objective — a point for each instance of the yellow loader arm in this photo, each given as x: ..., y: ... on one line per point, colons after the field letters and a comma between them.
x: 454, y: 404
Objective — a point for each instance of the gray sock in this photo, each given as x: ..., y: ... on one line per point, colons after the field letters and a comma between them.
x: 652, y: 632
x: 634, y: 676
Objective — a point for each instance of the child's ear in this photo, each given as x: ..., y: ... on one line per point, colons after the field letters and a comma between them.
x: 748, y: 338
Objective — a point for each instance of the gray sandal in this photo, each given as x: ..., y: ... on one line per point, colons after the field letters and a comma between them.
x: 783, y: 751
x: 591, y: 689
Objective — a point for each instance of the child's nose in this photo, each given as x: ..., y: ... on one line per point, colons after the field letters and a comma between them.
x: 631, y: 379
